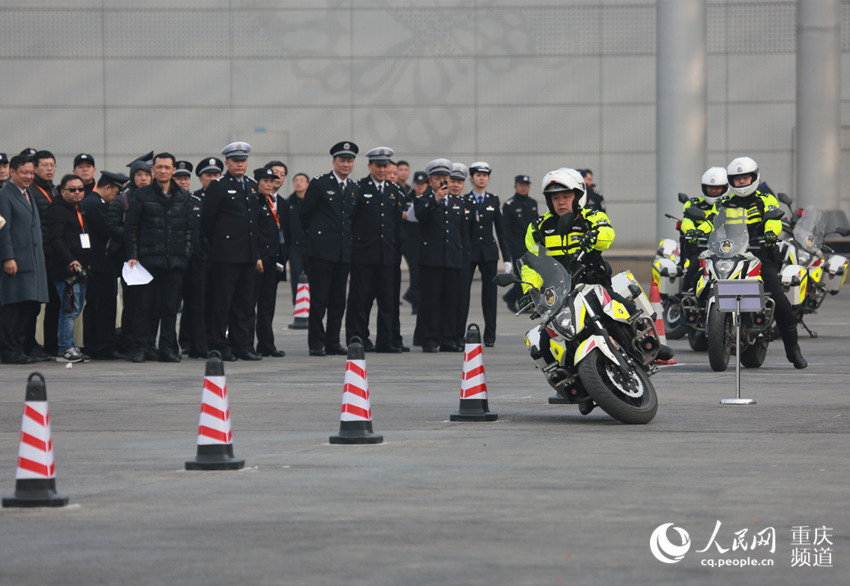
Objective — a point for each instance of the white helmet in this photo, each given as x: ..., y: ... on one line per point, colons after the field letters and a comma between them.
x: 743, y: 166
x: 565, y: 179
x: 712, y: 178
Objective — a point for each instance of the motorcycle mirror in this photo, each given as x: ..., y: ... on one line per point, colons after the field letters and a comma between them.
x: 566, y: 222
x: 773, y: 214
x: 695, y: 212
x: 784, y: 198
x: 683, y: 198
x: 505, y: 279
x: 843, y: 231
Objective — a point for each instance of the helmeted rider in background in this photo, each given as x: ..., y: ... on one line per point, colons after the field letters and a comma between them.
x: 714, y: 186
x: 744, y: 181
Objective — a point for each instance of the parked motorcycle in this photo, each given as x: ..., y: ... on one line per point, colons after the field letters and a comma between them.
x: 825, y: 271
x: 667, y: 275
x: 590, y: 346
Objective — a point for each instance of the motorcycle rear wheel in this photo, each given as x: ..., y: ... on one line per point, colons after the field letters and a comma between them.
x: 753, y: 357
x: 696, y: 338
x: 674, y: 325
x: 604, y: 383
x: 718, y: 331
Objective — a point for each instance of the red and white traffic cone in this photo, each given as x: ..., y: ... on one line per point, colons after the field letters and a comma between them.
x: 215, y: 438
x: 355, y: 420
x: 473, y: 388
x: 301, y: 314
x: 658, y: 309
x: 35, y: 479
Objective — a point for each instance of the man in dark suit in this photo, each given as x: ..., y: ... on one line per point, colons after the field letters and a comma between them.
x: 229, y: 221
x: 374, y: 231
x: 23, y: 283
x: 326, y: 219
x: 485, y: 216
x: 442, y: 235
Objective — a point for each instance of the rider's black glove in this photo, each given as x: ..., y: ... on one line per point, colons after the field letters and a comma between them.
x: 693, y: 236
x: 525, y: 303
x: 588, y: 240
x: 770, y: 239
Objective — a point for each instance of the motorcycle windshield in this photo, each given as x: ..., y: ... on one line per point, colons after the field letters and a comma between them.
x: 810, y: 229
x: 556, y: 282
x: 730, y: 237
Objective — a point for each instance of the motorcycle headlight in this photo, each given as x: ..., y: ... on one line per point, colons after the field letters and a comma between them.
x: 563, y: 323
x: 724, y: 268
x: 803, y: 257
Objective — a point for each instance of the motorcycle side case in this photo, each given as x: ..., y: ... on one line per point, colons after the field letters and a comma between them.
x: 836, y: 273
x: 620, y: 283
x: 668, y: 248
x: 667, y: 275
x: 794, y: 279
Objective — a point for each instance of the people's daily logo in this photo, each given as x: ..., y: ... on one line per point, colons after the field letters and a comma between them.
x: 664, y: 549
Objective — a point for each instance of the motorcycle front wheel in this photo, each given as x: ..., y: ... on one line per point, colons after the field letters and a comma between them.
x: 629, y: 400
x: 696, y: 339
x: 718, y: 330
x: 753, y: 357
x: 674, y: 325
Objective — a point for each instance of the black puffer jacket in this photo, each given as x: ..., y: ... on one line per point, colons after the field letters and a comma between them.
x: 158, y: 232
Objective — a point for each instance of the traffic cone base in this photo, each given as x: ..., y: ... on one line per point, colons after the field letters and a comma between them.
x: 474, y: 410
x: 35, y: 492
x: 215, y: 457
x: 473, y: 388
x: 356, y: 432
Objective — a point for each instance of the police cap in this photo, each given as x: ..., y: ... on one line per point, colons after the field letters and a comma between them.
x: 438, y: 167
x: 4, y: 160
x: 28, y: 152
x: 264, y: 173
x: 345, y: 148
x: 183, y: 168
x: 522, y: 179
x: 479, y: 167
x: 380, y: 155
x: 420, y: 177
x: 238, y: 151
x: 109, y: 178
x: 146, y: 158
x: 459, y: 171
x: 212, y: 164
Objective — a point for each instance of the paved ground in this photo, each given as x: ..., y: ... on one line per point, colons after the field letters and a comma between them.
x: 541, y: 496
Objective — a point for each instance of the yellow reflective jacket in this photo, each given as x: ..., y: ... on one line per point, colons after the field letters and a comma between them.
x: 689, y: 223
x: 545, y: 230
x: 756, y: 205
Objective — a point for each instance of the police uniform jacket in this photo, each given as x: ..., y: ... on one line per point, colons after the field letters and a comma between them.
x: 229, y: 220
x: 442, y: 230
x: 375, y: 223
x: 269, y: 233
x: 756, y: 204
x: 21, y: 240
x: 517, y: 213
x: 158, y: 231
x: 689, y: 223
x: 63, y: 232
x: 483, y: 218
x: 196, y: 206
x: 94, y: 211
x: 326, y: 218
x: 544, y: 231
x: 595, y: 201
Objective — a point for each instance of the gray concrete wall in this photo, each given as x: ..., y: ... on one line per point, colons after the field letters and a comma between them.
x: 527, y: 85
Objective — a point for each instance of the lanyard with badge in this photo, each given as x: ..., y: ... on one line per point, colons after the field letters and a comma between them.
x: 276, y: 219
x: 84, y: 238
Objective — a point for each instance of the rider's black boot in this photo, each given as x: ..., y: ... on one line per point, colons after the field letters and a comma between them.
x: 792, y: 349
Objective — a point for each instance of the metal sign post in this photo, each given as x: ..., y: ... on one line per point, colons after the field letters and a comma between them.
x: 737, y: 296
